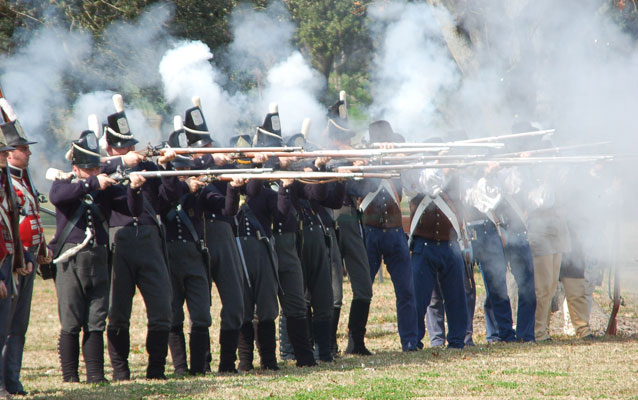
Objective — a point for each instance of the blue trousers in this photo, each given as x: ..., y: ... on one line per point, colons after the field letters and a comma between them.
x: 5, y: 313
x: 488, y: 250
x: 519, y: 255
x: 435, y: 315
x: 443, y: 259
x: 392, y: 246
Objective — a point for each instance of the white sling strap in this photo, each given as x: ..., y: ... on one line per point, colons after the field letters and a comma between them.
x: 385, y: 184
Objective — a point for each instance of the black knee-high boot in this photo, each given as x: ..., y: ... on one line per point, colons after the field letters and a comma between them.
x: 119, y: 344
x: 299, y: 336
x: 93, y: 351
x: 177, y: 346
x: 359, y: 311
x: 69, y: 351
x: 246, y: 346
x: 228, y: 342
x: 198, y: 343
x: 334, y: 327
x: 157, y: 349
x: 267, y: 345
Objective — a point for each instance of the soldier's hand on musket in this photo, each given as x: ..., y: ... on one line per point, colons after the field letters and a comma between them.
x: 136, y: 180
x: 237, y: 182
x: 525, y: 154
x: 45, y: 259
x: 132, y: 158
x: 105, y: 181
x: 3, y: 291
x: 26, y: 270
x: 360, y: 162
x: 386, y: 145
x: 287, y: 182
x: 284, y: 162
x: 321, y: 161
x: 491, y: 166
x: 194, y: 184
x: 221, y: 158
x: 167, y: 155
x: 259, y: 158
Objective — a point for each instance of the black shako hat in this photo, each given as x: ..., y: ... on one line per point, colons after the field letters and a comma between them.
x: 338, y: 127
x: 116, y: 130
x: 178, y: 138
x: 240, y: 141
x: 84, y: 152
x: 195, y: 126
x: 269, y: 133
x: 381, y: 131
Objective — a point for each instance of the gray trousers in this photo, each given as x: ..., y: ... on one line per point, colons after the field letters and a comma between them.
x: 5, y: 313
x: 227, y: 272
x: 293, y: 301
x: 138, y: 259
x: 189, y: 282
x: 82, y: 284
x: 20, y: 313
x: 355, y: 258
x: 261, y: 297
x: 316, y: 271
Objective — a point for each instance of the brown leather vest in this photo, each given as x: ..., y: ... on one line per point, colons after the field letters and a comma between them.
x: 433, y: 224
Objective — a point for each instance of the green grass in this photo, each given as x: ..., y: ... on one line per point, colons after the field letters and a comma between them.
x: 564, y: 368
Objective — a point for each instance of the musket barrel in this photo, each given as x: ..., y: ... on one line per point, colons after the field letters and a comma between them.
x: 509, y: 136
x: 437, y: 145
x: 199, y: 172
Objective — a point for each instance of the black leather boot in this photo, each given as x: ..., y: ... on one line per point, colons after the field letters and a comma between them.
x: 286, y: 349
x: 69, y: 351
x: 246, y: 346
x: 321, y: 333
x: 334, y: 327
x: 177, y: 346
x: 157, y: 349
x: 93, y: 351
x: 357, y: 328
x: 228, y: 341
x: 299, y: 335
x: 119, y: 343
x: 198, y: 343
x: 267, y: 345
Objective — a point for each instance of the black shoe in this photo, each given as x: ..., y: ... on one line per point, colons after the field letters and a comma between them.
x: 18, y: 393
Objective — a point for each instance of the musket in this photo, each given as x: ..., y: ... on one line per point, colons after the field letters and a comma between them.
x: 555, y: 149
x: 445, y: 144
x: 122, y: 175
x: 353, y: 153
x: 509, y: 136
x: 308, y: 177
x: 153, y: 151
x: 499, y: 161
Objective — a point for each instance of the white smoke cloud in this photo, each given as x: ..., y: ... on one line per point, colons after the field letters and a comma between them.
x: 412, y: 69
x: 186, y: 71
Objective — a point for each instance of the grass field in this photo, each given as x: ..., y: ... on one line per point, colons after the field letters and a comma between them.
x: 564, y: 368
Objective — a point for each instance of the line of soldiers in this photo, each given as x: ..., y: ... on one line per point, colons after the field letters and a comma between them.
x: 281, y: 244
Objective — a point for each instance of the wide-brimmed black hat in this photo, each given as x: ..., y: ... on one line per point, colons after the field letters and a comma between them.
x: 84, y: 152
x: 117, y: 131
x: 381, y: 131
x: 269, y: 133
